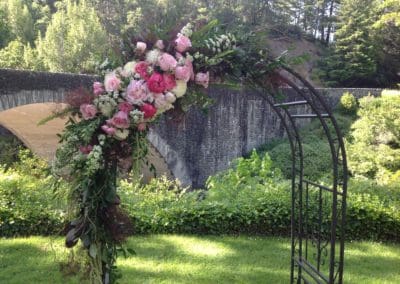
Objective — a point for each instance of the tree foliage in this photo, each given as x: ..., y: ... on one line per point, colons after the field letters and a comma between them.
x: 374, y: 148
x: 75, y: 40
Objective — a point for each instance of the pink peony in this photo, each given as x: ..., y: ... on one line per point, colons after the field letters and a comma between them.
x: 167, y: 62
x: 109, y: 130
x: 86, y: 149
x: 178, y: 55
x: 149, y: 110
x: 141, y: 46
x: 160, y: 44
x: 125, y: 107
x: 136, y: 92
x: 160, y: 102
x: 88, y: 111
x: 111, y: 82
x: 169, y: 81
x: 182, y: 43
x: 141, y: 68
x: 183, y: 73
x: 142, y: 126
x: 119, y: 120
x: 203, y: 79
x: 98, y: 88
x: 156, y: 83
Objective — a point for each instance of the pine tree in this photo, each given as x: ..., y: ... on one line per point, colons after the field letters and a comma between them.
x: 354, y: 59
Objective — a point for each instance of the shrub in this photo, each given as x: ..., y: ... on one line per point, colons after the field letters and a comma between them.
x: 27, y: 204
x: 9, y: 147
x: 374, y: 145
x: 348, y: 103
x: 317, y: 158
x: 238, y: 201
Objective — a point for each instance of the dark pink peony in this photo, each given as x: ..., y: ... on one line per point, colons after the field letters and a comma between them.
x: 156, y: 83
x: 149, y: 110
x: 141, y: 68
x: 169, y: 81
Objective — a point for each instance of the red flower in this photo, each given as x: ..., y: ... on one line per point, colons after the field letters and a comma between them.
x: 156, y: 83
x: 149, y: 110
x: 141, y: 69
x: 169, y: 81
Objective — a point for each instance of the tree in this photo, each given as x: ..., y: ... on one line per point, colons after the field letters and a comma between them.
x: 387, y: 34
x: 75, y: 40
x: 5, y: 30
x: 12, y: 56
x: 353, y: 61
x: 19, y: 20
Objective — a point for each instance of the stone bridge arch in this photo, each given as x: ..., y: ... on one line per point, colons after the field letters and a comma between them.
x: 197, y: 146
x: 22, y: 121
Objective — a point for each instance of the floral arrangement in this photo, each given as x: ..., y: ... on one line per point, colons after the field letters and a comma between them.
x: 107, y: 126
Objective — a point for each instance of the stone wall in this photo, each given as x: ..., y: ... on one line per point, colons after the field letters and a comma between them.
x: 19, y: 87
x: 197, y: 145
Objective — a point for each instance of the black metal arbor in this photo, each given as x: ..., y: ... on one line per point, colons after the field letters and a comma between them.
x: 317, y: 242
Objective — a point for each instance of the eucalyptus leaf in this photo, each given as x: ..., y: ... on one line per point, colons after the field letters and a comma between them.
x: 93, y: 250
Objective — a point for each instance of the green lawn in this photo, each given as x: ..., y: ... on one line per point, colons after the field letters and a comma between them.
x: 190, y: 259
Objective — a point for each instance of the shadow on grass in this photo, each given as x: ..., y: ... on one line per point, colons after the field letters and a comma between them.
x: 189, y: 259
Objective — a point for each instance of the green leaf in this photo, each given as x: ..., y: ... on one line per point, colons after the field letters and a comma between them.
x: 93, y: 250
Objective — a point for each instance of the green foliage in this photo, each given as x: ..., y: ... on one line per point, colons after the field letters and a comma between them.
x: 19, y: 19
x: 348, y: 103
x: 9, y: 148
x: 5, y: 30
x: 12, y: 56
x: 316, y: 153
x: 75, y: 40
x: 163, y: 206
x: 374, y: 147
x: 27, y: 206
x: 353, y: 61
x: 16, y: 55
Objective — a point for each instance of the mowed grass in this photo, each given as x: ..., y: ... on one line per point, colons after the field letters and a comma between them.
x: 192, y: 259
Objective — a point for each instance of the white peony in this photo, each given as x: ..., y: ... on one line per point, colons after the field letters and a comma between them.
x: 152, y: 56
x: 129, y: 68
x: 180, y: 88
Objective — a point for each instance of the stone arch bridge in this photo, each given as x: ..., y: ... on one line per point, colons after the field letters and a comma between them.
x: 192, y: 148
